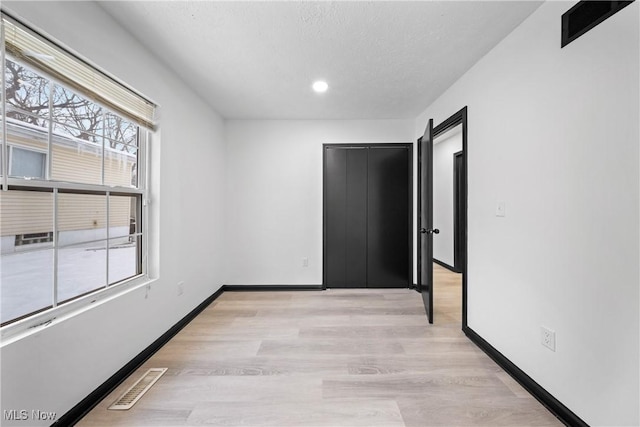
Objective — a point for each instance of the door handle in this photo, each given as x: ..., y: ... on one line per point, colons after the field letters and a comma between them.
x: 430, y: 231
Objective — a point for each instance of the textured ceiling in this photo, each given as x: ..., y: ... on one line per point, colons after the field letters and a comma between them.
x: 257, y: 60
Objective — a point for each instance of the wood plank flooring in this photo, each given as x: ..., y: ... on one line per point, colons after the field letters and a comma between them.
x: 354, y: 357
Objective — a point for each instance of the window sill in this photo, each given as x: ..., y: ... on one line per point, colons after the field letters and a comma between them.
x: 21, y: 329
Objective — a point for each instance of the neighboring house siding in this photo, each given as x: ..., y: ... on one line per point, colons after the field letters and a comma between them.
x: 78, y: 165
x: 26, y: 212
x: 82, y: 163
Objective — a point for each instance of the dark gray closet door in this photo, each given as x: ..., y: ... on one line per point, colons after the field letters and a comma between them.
x: 345, y: 248
x: 389, y: 216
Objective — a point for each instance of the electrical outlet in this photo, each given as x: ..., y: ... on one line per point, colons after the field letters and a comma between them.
x: 305, y: 262
x: 180, y: 288
x: 548, y: 338
x: 501, y: 208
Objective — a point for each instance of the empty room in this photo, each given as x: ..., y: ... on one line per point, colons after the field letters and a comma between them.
x: 320, y: 213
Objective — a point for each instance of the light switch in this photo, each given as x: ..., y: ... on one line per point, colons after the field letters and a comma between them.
x: 500, y: 208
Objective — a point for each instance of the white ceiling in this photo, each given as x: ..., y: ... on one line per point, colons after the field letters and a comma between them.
x: 382, y: 60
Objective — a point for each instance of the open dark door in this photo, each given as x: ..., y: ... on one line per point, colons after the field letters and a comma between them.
x: 425, y: 219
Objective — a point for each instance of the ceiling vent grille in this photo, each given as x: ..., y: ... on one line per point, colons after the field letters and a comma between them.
x: 585, y: 15
x: 136, y: 391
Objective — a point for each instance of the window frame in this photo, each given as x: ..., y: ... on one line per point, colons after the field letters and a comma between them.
x: 19, y: 327
x: 141, y: 193
x: 22, y: 326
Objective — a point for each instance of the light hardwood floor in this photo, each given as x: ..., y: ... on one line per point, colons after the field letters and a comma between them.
x: 334, y: 358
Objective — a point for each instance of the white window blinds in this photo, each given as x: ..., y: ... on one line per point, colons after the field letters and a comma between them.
x: 42, y: 54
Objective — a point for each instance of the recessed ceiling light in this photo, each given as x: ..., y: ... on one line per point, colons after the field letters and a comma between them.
x: 320, y: 86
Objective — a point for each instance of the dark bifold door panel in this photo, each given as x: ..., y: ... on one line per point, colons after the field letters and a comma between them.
x: 345, y: 217
x: 389, y: 218
x: 425, y: 218
x: 356, y: 225
x: 367, y: 216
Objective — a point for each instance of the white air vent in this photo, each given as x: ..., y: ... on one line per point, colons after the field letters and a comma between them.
x: 135, y: 392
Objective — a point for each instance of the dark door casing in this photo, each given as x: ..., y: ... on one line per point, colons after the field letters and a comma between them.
x: 459, y: 223
x: 367, y: 215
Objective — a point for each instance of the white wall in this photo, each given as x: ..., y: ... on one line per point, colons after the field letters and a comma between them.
x: 554, y: 133
x: 274, y: 193
x: 57, y: 367
x: 444, y: 147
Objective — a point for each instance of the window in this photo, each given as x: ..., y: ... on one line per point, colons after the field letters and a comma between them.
x: 27, y: 163
x: 71, y: 205
x: 33, y: 238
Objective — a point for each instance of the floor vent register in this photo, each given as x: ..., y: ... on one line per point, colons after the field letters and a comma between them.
x: 136, y: 391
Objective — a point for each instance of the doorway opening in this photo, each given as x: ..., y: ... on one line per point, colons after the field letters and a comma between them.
x: 447, y: 189
x: 448, y: 202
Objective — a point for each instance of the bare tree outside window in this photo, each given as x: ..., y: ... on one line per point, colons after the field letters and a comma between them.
x: 27, y: 98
